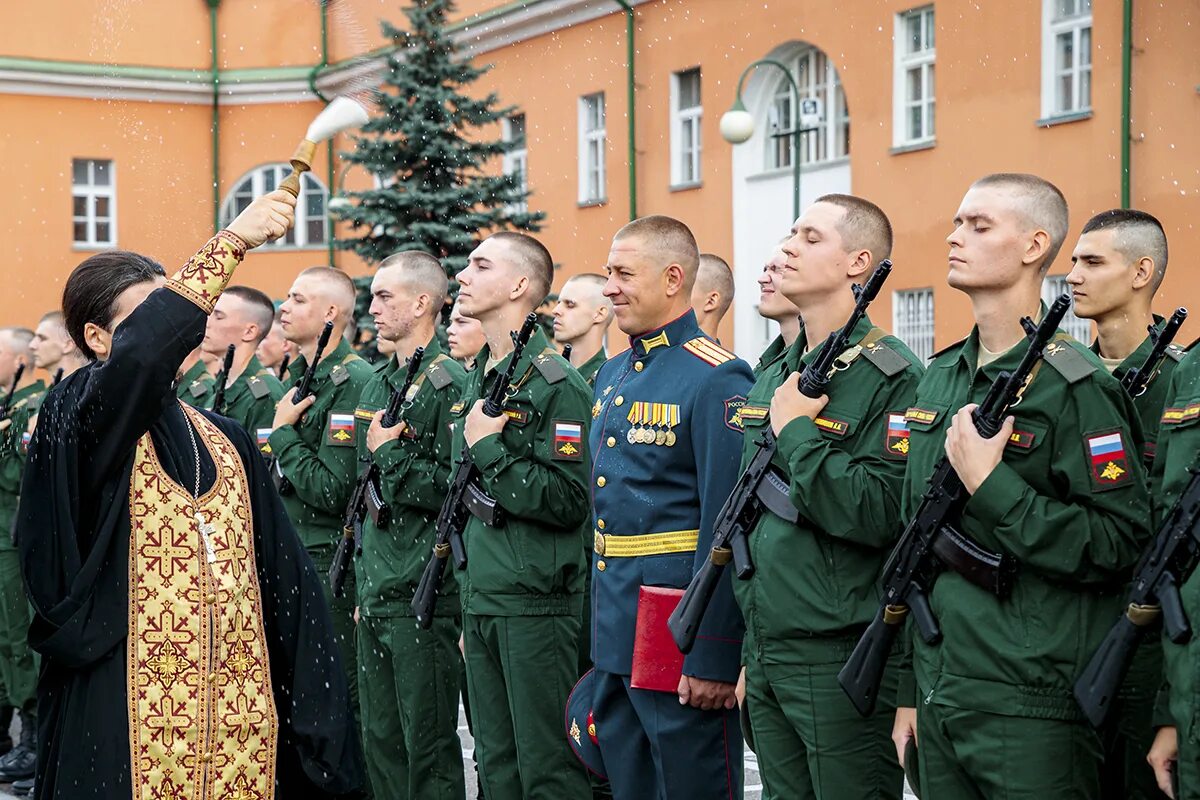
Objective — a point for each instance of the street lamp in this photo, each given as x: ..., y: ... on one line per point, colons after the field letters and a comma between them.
x: 737, y: 124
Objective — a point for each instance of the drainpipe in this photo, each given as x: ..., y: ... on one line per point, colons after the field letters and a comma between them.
x: 216, y: 115
x: 1126, y: 99
x: 312, y: 85
x: 632, y: 106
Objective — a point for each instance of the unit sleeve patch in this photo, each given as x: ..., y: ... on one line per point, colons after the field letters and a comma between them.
x: 341, y: 430
x: 1107, y: 459
x: 733, y: 413
x: 567, y: 444
x: 895, y: 444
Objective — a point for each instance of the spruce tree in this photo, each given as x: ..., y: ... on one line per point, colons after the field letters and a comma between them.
x: 437, y: 186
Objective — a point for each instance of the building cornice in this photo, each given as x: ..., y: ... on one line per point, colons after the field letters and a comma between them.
x: 475, y: 35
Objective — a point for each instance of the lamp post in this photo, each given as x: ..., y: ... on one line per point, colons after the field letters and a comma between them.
x: 737, y: 124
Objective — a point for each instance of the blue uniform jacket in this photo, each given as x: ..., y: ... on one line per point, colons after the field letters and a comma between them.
x: 676, y: 382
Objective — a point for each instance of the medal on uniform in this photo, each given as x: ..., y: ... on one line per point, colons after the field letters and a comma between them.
x: 631, y: 436
x: 672, y: 421
x: 658, y: 419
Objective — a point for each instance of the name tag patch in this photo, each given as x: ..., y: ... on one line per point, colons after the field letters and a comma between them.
x: 1022, y: 439
x: 1174, y: 416
x: 829, y: 425
x: 920, y: 415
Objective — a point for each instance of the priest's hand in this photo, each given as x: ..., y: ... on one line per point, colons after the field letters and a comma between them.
x: 479, y: 425
x: 286, y: 413
x: 266, y: 219
x: 789, y: 403
x: 377, y: 435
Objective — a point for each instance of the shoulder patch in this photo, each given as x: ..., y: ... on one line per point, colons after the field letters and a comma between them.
x: 1108, y: 460
x: 1068, y: 361
x: 568, y: 440
x: 341, y: 429
x: 1175, y: 352
x: 258, y: 388
x: 733, y: 413
x: 438, y: 376
x: 339, y: 375
x: 708, y: 351
x: 895, y: 441
x: 885, y: 358
x: 549, y: 366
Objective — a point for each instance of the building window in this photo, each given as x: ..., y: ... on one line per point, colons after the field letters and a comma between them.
x: 912, y: 320
x: 516, y: 159
x: 592, y: 144
x: 311, y: 228
x: 93, y: 202
x: 1080, y: 329
x: 1066, y: 57
x: 686, y: 113
x: 829, y: 139
x: 913, y: 97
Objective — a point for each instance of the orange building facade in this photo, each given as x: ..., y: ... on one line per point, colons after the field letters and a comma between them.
x: 139, y: 124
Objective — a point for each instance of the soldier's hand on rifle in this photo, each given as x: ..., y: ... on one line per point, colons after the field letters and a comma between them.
x: 972, y: 456
x: 479, y: 425
x: 288, y: 414
x: 1162, y: 757
x: 706, y: 695
x: 789, y: 403
x: 377, y: 435
x: 266, y: 219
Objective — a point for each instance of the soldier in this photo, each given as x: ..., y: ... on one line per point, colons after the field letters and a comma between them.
x: 712, y: 294
x: 1060, y: 490
x: 410, y: 677
x: 274, y: 347
x: 195, y: 382
x: 314, y: 441
x: 843, y: 456
x: 581, y: 319
x: 666, y: 431
x: 1175, y: 755
x: 242, y: 318
x: 523, y: 586
x: 17, y: 671
x: 1119, y: 263
x: 774, y: 305
x: 52, y: 348
x: 465, y: 336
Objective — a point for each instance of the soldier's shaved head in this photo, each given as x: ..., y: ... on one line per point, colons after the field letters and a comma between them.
x: 1136, y: 235
x: 17, y: 339
x: 1039, y: 204
x: 416, y: 272
x: 669, y: 240
x: 591, y: 288
x: 715, y: 275
x: 254, y: 307
x: 336, y: 287
x: 864, y: 226
x: 533, y: 259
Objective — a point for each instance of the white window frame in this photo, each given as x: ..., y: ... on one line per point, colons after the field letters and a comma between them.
x: 1079, y: 328
x: 834, y: 125
x: 593, y: 146
x: 516, y: 161
x: 686, y: 142
x: 923, y: 62
x: 913, y: 320
x: 267, y: 177
x: 1077, y: 25
x: 90, y: 193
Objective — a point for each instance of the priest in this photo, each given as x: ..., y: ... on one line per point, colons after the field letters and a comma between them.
x: 187, y: 650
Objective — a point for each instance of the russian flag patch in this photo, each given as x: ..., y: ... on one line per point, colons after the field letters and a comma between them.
x: 263, y: 435
x: 568, y: 440
x: 896, y: 441
x: 341, y: 429
x: 1108, y: 460
x: 25, y: 437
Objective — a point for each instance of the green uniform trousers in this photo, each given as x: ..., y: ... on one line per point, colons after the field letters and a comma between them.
x: 973, y: 755
x: 17, y: 668
x: 1130, y: 729
x: 409, y: 713
x: 811, y: 743
x: 519, y: 673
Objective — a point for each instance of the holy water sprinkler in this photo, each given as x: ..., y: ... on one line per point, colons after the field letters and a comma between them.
x: 342, y: 114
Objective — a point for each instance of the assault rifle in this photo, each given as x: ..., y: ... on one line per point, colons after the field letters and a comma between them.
x: 350, y: 544
x: 1164, y: 567
x: 465, y: 497
x: 303, y: 389
x: 6, y: 407
x: 761, y: 487
x: 930, y: 543
x: 1137, y: 379
x: 283, y: 365
x: 58, y: 376
x: 223, y: 382
x: 566, y: 352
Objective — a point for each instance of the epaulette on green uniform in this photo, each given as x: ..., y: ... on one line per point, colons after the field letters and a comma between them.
x: 1068, y: 359
x: 1175, y: 352
x: 551, y: 365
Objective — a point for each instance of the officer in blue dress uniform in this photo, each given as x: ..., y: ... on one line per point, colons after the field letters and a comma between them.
x: 665, y: 439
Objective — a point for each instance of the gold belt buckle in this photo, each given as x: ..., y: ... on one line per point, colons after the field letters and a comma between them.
x: 598, y: 543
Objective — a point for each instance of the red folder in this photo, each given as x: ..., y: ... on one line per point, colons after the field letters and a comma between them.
x: 657, y: 662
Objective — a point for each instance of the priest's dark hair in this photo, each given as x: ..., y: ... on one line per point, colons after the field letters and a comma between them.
x: 91, y: 292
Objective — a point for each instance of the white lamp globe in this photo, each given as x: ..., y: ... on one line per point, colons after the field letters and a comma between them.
x: 737, y: 125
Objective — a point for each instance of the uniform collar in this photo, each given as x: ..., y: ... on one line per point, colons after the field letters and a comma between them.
x: 537, y: 344
x: 681, y: 329
x: 588, y: 368
x: 195, y: 373
x: 796, y: 360
x: 775, y: 351
x: 330, y: 360
x: 253, y: 367
x: 37, y: 387
x: 968, y: 355
x: 398, y: 369
x: 1138, y: 356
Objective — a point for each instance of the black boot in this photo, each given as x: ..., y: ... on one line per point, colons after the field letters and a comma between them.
x: 21, y: 761
x: 6, y: 715
x: 23, y: 788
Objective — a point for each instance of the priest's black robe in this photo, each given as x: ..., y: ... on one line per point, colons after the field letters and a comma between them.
x: 73, y: 533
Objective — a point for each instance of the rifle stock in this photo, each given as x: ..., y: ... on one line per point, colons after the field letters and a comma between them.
x: 1137, y: 379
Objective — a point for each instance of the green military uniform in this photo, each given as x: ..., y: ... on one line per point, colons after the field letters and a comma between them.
x: 18, y: 671
x: 996, y: 716
x: 588, y: 369
x: 251, y: 401
x: 813, y: 591
x: 1177, y: 452
x: 318, y: 458
x: 523, y: 586
x: 591, y: 367
x: 196, y: 386
x: 409, y: 678
x: 1127, y: 774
